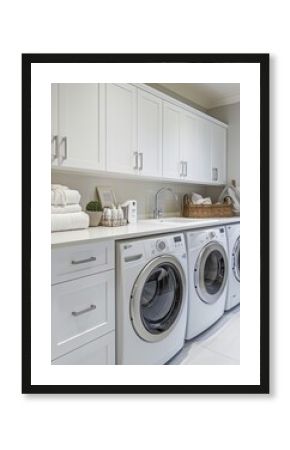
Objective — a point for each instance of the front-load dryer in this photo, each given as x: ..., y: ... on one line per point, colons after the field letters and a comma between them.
x: 151, y: 299
x: 233, y: 235
x: 207, y: 278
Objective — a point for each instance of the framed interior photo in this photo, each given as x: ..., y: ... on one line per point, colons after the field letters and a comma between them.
x: 174, y: 299
x: 106, y: 196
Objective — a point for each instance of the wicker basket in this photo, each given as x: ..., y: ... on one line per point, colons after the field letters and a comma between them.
x: 204, y: 211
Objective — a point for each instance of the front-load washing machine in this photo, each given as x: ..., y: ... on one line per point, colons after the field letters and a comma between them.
x: 233, y: 235
x: 151, y: 299
x: 207, y: 278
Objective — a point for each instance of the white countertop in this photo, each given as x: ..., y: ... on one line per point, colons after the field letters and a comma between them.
x: 141, y: 228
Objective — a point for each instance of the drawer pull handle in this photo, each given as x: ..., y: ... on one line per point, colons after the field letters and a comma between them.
x: 78, y: 313
x: 133, y: 258
x: 82, y: 261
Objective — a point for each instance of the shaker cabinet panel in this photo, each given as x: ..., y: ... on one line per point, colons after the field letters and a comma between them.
x: 218, y: 153
x: 171, y: 141
x: 204, y: 151
x: 98, y: 352
x: 189, y: 150
x: 121, y: 128
x: 149, y: 134
x: 54, y: 124
x: 79, y: 126
x: 82, y: 310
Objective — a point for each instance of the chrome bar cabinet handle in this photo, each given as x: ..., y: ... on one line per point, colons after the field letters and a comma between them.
x: 215, y: 174
x: 82, y: 261
x: 141, y: 161
x: 181, y: 168
x: 83, y: 311
x: 64, y: 141
x: 135, y: 160
x: 54, y: 142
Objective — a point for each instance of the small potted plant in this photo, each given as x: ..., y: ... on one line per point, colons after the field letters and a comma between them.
x: 94, y: 210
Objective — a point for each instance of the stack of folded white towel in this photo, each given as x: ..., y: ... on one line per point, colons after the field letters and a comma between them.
x: 66, y: 211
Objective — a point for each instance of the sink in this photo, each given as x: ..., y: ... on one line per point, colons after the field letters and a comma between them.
x: 173, y: 220
x: 176, y: 219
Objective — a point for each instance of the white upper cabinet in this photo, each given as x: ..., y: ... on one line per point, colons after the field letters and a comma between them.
x: 149, y: 134
x: 204, y: 151
x: 134, y: 130
x: 121, y: 128
x: 189, y: 150
x: 218, y: 153
x: 54, y: 124
x: 78, y: 127
x: 171, y: 141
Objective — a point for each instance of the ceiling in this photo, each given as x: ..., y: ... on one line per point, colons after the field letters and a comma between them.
x: 206, y: 95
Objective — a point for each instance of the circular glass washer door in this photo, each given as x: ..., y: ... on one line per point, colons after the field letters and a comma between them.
x: 236, y: 259
x: 211, y: 272
x: 158, y: 297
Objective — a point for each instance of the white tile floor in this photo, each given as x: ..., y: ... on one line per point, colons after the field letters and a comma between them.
x: 219, y: 345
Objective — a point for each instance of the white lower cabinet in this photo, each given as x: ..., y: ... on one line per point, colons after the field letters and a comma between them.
x: 69, y: 263
x: 83, y: 304
x: 81, y: 310
x: 98, y: 352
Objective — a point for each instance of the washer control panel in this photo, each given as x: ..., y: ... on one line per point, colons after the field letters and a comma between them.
x: 166, y: 244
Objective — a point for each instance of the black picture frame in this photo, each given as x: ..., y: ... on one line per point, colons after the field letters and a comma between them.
x: 263, y: 61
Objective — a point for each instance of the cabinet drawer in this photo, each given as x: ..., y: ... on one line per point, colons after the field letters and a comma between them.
x: 99, y: 352
x: 81, y: 310
x: 68, y: 263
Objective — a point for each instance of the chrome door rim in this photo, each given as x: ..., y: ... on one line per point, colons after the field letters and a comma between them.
x: 236, y: 249
x: 199, y: 273
x: 137, y: 290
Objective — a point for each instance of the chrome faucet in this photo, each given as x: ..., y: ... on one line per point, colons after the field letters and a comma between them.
x: 157, y: 212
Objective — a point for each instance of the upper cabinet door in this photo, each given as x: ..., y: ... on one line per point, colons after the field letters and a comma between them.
x: 54, y: 124
x: 189, y: 149
x: 79, y: 126
x: 204, y: 150
x: 121, y: 128
x: 218, y: 153
x: 149, y: 134
x: 171, y: 141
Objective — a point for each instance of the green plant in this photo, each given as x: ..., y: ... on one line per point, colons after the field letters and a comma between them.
x: 94, y: 206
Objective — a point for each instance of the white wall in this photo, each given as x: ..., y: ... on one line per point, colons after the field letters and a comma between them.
x: 230, y: 114
x: 180, y: 92
x: 124, y: 189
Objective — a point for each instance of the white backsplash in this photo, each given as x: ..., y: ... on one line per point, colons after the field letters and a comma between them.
x: 142, y: 191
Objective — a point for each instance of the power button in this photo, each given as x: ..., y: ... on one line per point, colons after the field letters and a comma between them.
x: 160, y: 245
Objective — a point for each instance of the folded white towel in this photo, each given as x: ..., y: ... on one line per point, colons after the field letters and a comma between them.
x: 195, y: 197
x: 58, y: 186
x: 203, y: 201
x: 198, y: 199
x: 66, y: 209
x: 70, y: 221
x: 63, y: 197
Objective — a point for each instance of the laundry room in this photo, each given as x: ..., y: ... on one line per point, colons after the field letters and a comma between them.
x: 145, y: 224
